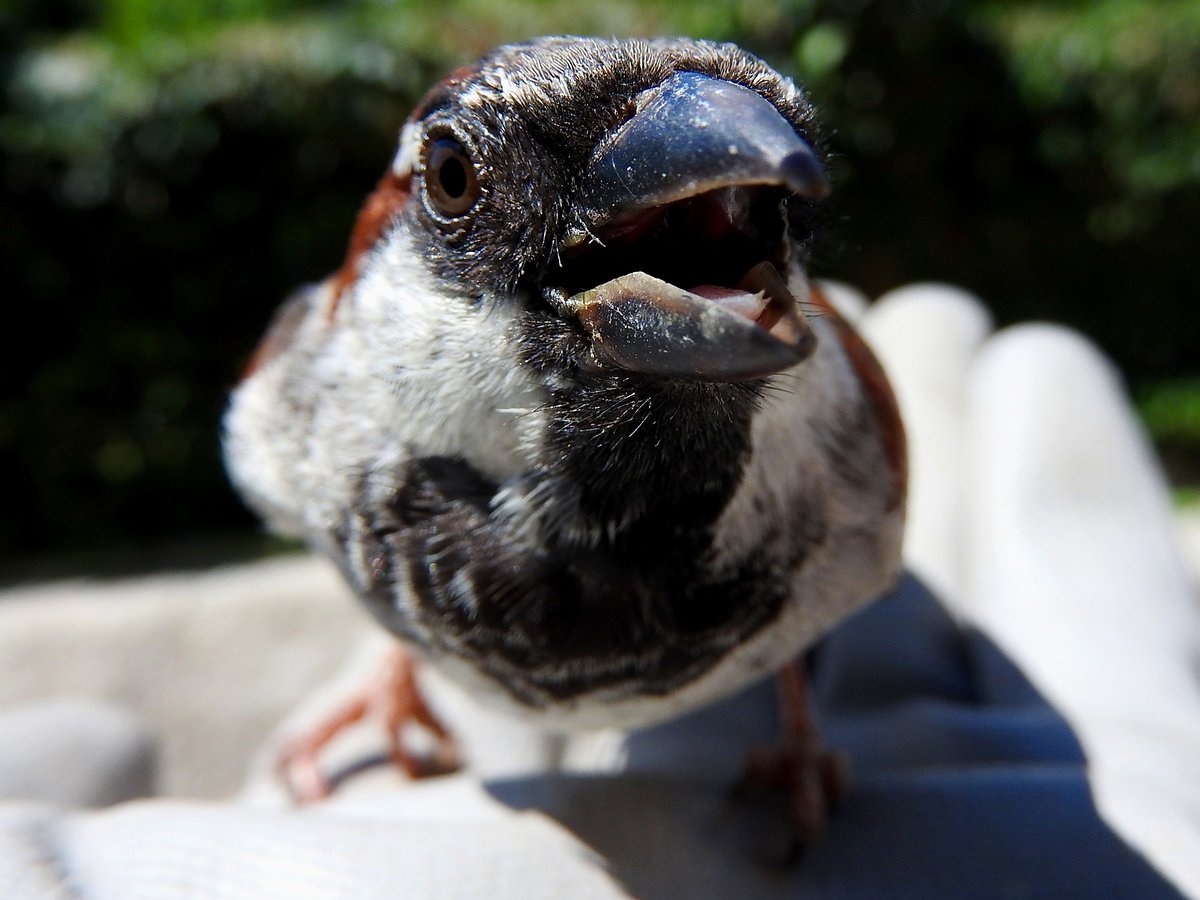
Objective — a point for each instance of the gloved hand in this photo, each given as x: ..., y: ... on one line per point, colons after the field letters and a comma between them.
x: 1048, y: 662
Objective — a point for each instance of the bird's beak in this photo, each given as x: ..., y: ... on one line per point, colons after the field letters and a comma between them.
x: 682, y: 236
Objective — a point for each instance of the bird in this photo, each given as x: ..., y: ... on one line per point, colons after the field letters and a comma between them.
x: 571, y: 418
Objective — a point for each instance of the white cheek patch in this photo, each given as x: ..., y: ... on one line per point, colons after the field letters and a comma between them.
x: 442, y: 378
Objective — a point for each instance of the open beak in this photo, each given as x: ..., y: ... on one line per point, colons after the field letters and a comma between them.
x: 675, y: 269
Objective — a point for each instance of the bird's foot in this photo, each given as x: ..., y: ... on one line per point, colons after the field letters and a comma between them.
x: 809, y: 776
x: 391, y: 695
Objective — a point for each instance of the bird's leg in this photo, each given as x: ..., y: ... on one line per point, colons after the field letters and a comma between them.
x: 812, y: 777
x: 391, y: 694
x: 404, y: 703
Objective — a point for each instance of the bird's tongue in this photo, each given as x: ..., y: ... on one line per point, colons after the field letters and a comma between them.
x: 744, y: 303
x: 762, y: 296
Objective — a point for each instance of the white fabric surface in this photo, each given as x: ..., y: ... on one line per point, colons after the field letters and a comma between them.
x: 1076, y: 573
x: 210, y: 661
x: 926, y: 337
x: 461, y: 845
x: 75, y: 753
x: 1037, y: 510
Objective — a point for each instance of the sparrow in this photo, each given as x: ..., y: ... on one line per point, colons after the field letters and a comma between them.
x: 571, y: 419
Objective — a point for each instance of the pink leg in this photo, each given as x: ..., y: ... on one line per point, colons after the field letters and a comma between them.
x: 391, y: 694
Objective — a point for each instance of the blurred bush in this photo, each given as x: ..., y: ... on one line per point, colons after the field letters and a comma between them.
x: 171, y: 170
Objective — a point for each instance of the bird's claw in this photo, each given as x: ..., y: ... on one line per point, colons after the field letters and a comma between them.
x: 811, y: 778
x: 392, y: 695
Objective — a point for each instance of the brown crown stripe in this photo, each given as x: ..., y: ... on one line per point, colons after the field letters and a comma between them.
x: 377, y: 214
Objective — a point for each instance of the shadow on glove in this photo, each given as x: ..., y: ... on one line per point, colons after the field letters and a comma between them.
x: 966, y: 783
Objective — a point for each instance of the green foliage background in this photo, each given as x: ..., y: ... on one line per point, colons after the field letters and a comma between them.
x: 171, y: 170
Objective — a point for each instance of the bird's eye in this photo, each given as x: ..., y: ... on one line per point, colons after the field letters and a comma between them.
x: 450, y: 180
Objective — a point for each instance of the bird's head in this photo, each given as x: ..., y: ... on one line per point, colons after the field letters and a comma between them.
x: 648, y: 197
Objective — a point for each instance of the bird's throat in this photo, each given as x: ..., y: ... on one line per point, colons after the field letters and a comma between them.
x: 646, y: 466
